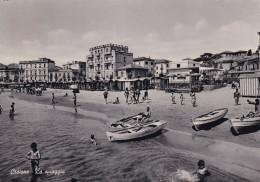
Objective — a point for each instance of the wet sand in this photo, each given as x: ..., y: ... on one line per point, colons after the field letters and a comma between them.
x: 198, y: 143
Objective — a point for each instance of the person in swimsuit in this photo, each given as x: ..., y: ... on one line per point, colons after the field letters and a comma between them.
x: 93, y: 140
x: 105, y: 95
x: 1, y: 109
x: 202, y: 171
x: 35, y: 156
x: 75, y: 102
x: 182, y: 98
x: 145, y: 115
x: 173, y: 98
x: 12, y: 109
x: 126, y: 94
x: 52, y: 101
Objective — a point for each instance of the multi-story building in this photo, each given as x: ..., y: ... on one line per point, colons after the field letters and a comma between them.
x: 36, y: 70
x: 185, y: 71
x: 9, y: 73
x: 146, y: 63
x: 161, y: 67
x: 103, y: 61
x: 132, y: 71
x: 75, y: 71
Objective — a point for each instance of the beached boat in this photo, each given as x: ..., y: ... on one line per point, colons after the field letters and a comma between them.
x: 209, y: 118
x: 127, y: 122
x: 135, y: 132
x: 245, y: 122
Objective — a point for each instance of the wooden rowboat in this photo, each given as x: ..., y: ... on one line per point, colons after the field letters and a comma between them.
x: 209, y: 118
x: 135, y: 132
x: 245, y: 122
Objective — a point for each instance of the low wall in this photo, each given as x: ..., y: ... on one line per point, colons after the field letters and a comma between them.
x: 213, y: 87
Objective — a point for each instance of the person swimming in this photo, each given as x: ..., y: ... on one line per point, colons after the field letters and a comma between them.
x: 93, y: 140
x: 202, y: 171
x: 35, y: 156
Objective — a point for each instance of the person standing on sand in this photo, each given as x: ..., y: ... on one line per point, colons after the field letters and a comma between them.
x: 145, y: 95
x: 173, y: 98
x: 182, y: 98
x: 236, y: 97
x: 126, y: 94
x: 105, y: 95
x: 137, y: 95
x: 52, y: 101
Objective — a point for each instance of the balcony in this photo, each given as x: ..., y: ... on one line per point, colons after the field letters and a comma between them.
x: 90, y: 63
x: 90, y: 56
x: 109, y: 60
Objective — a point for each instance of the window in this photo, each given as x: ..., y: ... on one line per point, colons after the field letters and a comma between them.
x: 40, y: 66
x: 167, y: 65
x: 178, y: 65
x: 35, y: 65
x: 146, y: 62
x: 151, y: 63
x: 193, y: 65
x: 106, y: 49
x: 44, y: 65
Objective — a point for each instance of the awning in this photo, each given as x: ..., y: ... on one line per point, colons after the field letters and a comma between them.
x: 195, y: 74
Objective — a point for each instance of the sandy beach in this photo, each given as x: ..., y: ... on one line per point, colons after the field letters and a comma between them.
x: 218, y: 146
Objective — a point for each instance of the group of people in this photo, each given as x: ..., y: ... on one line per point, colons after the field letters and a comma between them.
x: 132, y: 96
x: 193, y: 99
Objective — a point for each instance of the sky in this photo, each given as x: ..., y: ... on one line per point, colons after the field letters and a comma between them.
x: 64, y: 30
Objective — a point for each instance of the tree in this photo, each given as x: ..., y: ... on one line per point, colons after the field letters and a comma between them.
x: 249, y: 52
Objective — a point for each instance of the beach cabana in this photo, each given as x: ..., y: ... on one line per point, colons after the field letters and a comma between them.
x: 249, y: 85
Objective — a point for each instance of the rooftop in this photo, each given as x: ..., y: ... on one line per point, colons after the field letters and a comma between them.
x: 132, y: 66
x: 142, y: 59
x: 161, y: 61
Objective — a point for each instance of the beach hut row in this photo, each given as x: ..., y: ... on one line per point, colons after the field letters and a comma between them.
x: 249, y: 85
x: 113, y: 84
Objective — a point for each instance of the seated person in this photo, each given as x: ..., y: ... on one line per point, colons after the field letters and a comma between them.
x: 145, y: 115
x: 116, y: 101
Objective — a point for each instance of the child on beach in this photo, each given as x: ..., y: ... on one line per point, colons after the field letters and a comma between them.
x: 236, y: 97
x: 116, y: 101
x: 105, y: 95
x: 35, y: 156
x: 173, y: 98
x: 93, y: 140
x: 202, y: 171
x: 182, y: 98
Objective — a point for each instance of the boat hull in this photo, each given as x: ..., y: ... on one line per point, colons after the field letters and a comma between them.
x: 242, y: 123
x: 200, y: 122
x: 135, y: 132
